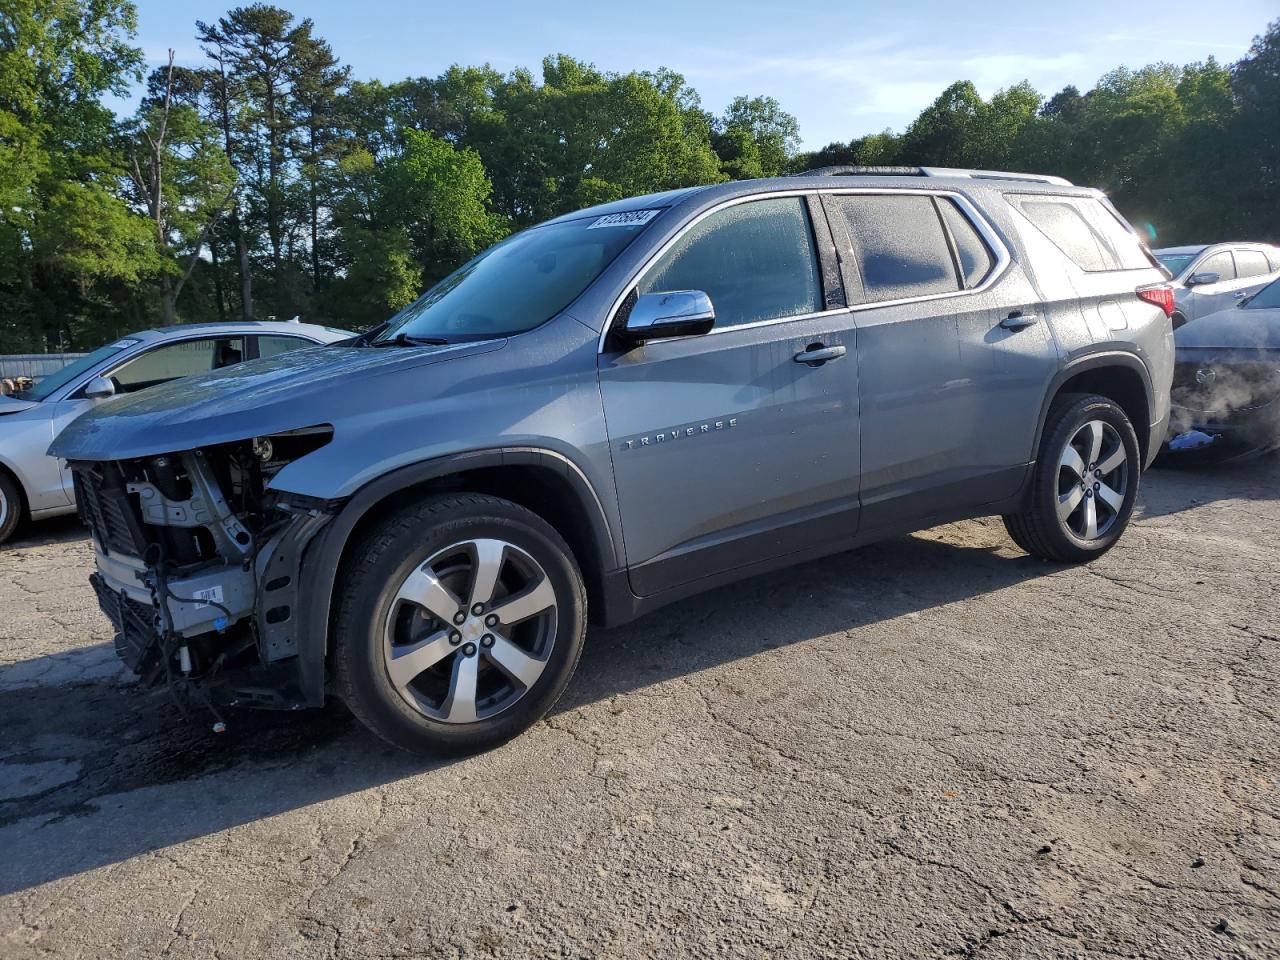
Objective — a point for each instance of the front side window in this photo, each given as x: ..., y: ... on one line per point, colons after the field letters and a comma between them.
x: 520, y: 283
x: 1219, y: 263
x: 1251, y: 263
x: 898, y: 244
x: 176, y: 360
x: 755, y: 260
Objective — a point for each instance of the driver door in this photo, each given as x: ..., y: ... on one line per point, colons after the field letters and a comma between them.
x: 1207, y: 298
x: 728, y: 448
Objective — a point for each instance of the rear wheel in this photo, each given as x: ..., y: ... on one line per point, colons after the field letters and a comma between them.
x: 10, y: 507
x: 460, y: 622
x: 1085, y: 482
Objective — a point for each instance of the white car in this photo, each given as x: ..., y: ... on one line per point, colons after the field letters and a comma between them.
x: 33, y: 484
x: 1212, y: 277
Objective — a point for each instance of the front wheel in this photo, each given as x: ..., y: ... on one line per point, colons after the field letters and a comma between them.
x: 10, y: 507
x: 1084, y: 484
x: 459, y: 623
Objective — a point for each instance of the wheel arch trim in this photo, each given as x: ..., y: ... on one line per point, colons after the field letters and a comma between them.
x: 1097, y: 361
x: 324, y: 555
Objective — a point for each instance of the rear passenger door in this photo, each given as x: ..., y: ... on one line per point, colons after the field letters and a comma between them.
x: 949, y: 398
x: 1253, y: 272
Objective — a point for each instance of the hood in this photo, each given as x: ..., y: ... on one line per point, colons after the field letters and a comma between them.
x: 293, y: 390
x: 14, y: 405
x: 1235, y: 328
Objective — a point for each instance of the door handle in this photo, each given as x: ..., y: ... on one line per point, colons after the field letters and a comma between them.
x: 816, y: 354
x: 1018, y: 320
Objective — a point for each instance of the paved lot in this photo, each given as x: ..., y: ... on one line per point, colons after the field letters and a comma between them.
x: 935, y: 746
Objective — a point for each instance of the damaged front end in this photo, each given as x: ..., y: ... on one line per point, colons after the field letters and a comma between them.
x: 198, y: 567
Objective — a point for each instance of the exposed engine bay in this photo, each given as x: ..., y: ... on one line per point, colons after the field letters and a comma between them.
x: 198, y: 564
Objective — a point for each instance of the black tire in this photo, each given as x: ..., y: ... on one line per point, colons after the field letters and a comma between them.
x: 12, y: 506
x: 1038, y: 529
x: 381, y: 562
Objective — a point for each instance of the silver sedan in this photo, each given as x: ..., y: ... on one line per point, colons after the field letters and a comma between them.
x: 33, y: 484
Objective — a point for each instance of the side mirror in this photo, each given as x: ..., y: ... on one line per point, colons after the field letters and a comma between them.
x: 99, y: 388
x: 673, y: 313
x: 1200, y: 279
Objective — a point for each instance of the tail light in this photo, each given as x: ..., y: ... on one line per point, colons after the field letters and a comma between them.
x: 1161, y: 295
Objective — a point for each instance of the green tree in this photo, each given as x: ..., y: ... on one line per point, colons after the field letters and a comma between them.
x: 182, y: 179
x: 756, y: 138
x: 1255, y: 134
x: 63, y: 231
x: 406, y: 223
x: 275, y: 86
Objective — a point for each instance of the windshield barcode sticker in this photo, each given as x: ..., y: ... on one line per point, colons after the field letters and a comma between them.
x: 632, y: 218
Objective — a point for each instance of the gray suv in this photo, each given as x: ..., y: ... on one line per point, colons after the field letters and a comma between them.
x: 617, y: 409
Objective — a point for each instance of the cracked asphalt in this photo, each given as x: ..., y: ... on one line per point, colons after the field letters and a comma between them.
x: 935, y: 746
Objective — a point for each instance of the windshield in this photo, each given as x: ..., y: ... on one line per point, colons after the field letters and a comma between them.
x: 519, y: 283
x: 1175, y: 262
x: 45, y: 386
x: 1267, y: 297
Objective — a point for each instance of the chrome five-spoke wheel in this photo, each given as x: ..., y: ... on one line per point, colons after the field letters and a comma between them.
x: 1093, y: 478
x: 470, y: 631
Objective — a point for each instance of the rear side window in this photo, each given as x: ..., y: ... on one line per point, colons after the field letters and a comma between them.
x: 756, y: 260
x: 976, y: 260
x: 1251, y: 263
x: 1059, y: 220
x: 1219, y: 263
x: 274, y: 346
x: 1129, y: 251
x: 898, y: 244
x: 1090, y: 234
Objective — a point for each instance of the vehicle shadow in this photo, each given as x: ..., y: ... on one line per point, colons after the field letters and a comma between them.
x: 1177, y: 489
x: 93, y: 773
x: 39, y: 533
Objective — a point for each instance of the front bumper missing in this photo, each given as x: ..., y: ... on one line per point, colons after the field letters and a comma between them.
x: 255, y: 602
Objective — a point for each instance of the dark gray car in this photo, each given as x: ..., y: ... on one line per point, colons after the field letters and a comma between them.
x: 1226, y: 385
x: 615, y: 410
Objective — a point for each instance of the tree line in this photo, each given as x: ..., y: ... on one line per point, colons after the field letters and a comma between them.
x: 267, y: 181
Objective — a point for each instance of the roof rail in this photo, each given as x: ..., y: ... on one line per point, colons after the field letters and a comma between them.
x: 857, y: 171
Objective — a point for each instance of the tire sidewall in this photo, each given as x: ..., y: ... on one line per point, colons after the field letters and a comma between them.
x: 367, y: 604
x: 1069, y: 421
x: 13, y: 498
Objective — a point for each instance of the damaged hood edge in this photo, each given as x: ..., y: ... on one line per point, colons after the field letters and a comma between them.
x: 292, y: 391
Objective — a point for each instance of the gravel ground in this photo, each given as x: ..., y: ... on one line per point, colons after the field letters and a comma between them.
x: 934, y: 746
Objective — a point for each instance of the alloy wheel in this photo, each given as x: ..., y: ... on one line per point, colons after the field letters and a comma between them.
x: 1093, y: 478
x: 470, y: 631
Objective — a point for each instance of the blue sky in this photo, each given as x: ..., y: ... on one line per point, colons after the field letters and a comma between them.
x: 844, y: 69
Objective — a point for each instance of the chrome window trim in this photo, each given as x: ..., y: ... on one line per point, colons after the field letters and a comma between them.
x: 968, y: 209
